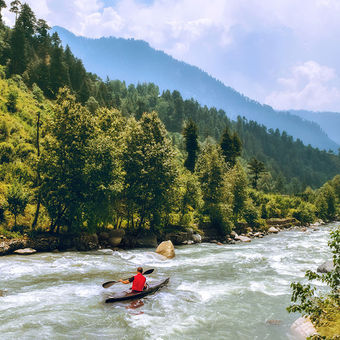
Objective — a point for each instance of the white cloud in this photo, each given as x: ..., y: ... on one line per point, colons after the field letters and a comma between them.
x: 202, y: 33
x: 309, y: 86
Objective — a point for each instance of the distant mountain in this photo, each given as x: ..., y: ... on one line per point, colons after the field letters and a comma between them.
x: 135, y: 61
x: 328, y: 121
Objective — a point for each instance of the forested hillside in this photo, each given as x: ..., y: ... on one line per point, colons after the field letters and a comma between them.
x: 328, y: 121
x: 77, y: 153
x: 134, y: 61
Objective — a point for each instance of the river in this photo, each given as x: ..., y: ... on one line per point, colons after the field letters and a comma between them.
x: 224, y: 292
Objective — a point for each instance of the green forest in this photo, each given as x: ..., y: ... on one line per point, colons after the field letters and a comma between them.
x: 80, y: 154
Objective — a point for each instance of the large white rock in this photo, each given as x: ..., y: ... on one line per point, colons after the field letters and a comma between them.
x: 303, y: 328
x: 243, y: 238
x: 25, y: 251
x: 167, y: 249
x: 326, y: 267
x: 273, y: 230
x: 197, y: 238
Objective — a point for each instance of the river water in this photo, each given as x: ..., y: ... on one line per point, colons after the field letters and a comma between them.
x: 224, y: 292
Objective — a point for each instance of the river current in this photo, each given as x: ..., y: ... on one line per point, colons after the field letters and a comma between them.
x: 219, y: 292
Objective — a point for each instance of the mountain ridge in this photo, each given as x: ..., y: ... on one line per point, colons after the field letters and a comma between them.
x: 135, y: 61
x: 328, y: 120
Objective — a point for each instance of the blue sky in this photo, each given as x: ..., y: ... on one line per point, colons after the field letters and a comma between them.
x: 284, y: 52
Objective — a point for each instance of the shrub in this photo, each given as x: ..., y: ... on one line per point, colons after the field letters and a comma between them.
x: 264, y: 213
x: 6, y: 152
x: 187, y: 219
x: 2, y: 208
x: 12, y: 100
x: 24, y: 150
x: 322, y: 309
x: 4, y: 130
x: 17, y: 199
x: 2, y: 72
x: 219, y: 218
x: 305, y: 213
x: 251, y: 215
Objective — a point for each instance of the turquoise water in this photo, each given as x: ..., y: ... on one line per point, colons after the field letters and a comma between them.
x: 224, y: 292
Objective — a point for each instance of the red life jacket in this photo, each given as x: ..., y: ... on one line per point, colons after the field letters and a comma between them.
x: 138, y: 282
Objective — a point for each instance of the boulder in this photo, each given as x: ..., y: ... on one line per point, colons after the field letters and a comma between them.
x: 273, y: 230
x: 326, y: 267
x: 25, y: 251
x: 181, y: 237
x: 44, y: 243
x: 86, y: 242
x: 303, y: 328
x: 103, y: 252
x: 115, y: 237
x: 233, y: 234
x: 197, y: 238
x: 146, y: 241
x: 166, y: 248
x: 103, y: 236
x: 8, y: 246
x: 243, y: 238
x: 114, y: 241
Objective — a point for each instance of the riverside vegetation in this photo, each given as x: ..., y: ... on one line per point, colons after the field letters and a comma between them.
x: 79, y: 155
x: 322, y: 308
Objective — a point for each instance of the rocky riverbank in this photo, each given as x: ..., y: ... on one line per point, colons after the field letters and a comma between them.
x: 119, y: 239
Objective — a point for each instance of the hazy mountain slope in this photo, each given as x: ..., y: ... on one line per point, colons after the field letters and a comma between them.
x: 135, y: 61
x: 328, y: 121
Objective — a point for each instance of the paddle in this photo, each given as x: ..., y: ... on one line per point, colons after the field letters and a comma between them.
x: 110, y: 283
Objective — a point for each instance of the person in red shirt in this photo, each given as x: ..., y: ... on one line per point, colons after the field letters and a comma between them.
x: 138, y: 281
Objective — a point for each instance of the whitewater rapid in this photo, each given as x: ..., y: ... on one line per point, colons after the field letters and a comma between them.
x: 224, y: 292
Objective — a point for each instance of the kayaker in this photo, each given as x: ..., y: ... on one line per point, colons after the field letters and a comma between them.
x: 138, y: 281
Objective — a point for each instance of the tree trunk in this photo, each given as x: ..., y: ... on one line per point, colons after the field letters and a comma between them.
x: 37, y: 210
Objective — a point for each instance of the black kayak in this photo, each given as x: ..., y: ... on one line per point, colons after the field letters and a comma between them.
x: 137, y: 295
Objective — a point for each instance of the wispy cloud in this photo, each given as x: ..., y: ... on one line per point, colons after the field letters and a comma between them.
x: 309, y: 86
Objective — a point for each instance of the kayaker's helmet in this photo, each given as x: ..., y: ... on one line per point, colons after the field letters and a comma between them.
x: 140, y: 270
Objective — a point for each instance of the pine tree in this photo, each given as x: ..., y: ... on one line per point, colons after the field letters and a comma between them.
x: 190, y: 134
x: 231, y: 147
x: 59, y: 76
x: 256, y: 168
x: 18, y: 60
x: 211, y: 170
x: 42, y: 39
x: 15, y: 8
x: 27, y: 21
x: 239, y: 190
